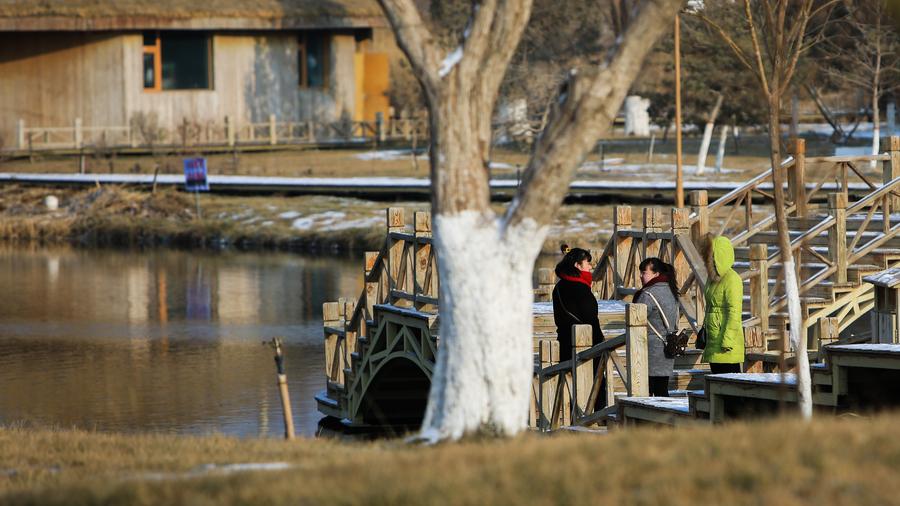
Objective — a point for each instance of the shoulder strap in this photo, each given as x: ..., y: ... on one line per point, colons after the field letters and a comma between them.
x: 661, y: 313
x: 563, y: 306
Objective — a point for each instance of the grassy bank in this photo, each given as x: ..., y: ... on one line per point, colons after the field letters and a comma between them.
x: 832, y: 461
x: 114, y: 216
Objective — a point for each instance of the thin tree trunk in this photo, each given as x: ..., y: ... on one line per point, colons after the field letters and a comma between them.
x: 876, y: 126
x: 707, y: 135
x: 720, y: 153
x: 792, y: 291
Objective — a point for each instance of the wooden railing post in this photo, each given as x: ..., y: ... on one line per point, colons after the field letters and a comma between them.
x: 79, y: 134
x: 621, y: 223
x: 396, y: 222
x: 652, y: 224
x: 546, y: 280
x: 583, y: 373
x: 331, y: 317
x: 759, y: 284
x: 20, y: 133
x: 273, y: 131
x: 891, y: 168
x: 681, y: 226
x: 638, y: 383
x: 699, y: 206
x: 229, y: 131
x: 350, y: 334
x: 797, y: 177
x: 549, y: 353
x: 828, y: 330
x: 424, y: 277
x: 372, y: 287
x: 837, y: 235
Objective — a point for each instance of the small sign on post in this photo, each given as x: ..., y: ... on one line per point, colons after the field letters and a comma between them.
x: 195, y: 178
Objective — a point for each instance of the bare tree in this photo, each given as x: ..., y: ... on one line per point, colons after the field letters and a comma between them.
x: 482, y: 379
x: 864, y: 55
x: 778, y: 35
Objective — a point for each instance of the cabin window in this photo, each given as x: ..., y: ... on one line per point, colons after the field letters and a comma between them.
x: 312, y: 59
x: 177, y: 61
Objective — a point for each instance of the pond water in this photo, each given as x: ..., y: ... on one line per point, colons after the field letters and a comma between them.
x: 163, y: 341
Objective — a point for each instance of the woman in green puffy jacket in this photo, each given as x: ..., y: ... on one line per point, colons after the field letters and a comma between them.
x: 724, y: 301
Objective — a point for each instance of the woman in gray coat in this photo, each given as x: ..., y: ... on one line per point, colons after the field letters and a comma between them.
x: 659, y: 295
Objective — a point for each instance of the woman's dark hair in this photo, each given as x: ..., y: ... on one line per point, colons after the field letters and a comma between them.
x: 572, y: 256
x: 658, y: 266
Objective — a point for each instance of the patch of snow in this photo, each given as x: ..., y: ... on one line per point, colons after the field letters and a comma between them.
x: 668, y: 403
x: 218, y: 470
x: 450, y: 61
x: 757, y: 377
x: 385, y: 154
x: 866, y: 347
x: 267, y: 223
x: 358, y: 223
x: 500, y: 165
x: 304, y: 223
x: 289, y: 215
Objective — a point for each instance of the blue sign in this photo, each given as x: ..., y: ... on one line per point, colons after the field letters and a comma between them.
x: 195, y: 175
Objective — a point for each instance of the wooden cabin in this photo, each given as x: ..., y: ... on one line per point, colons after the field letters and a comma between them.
x: 102, y: 64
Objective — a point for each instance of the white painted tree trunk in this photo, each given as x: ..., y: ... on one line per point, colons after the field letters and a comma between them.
x: 707, y: 136
x: 876, y: 128
x: 482, y: 379
x: 798, y: 340
x: 720, y: 153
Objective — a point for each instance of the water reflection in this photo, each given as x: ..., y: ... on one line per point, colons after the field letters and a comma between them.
x: 164, y: 341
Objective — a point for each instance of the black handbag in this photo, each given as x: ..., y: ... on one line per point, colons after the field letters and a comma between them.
x: 675, y: 342
x: 700, y: 343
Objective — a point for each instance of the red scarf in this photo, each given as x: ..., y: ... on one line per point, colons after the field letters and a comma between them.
x: 584, y: 277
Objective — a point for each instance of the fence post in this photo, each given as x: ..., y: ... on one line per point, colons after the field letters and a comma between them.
x: 621, y: 223
x: 797, y: 177
x: 546, y: 279
x: 79, y: 134
x: 549, y: 350
x: 891, y: 168
x: 396, y: 222
x: 20, y: 134
x: 229, y: 131
x: 583, y: 373
x: 379, y: 127
x: 273, y: 132
x: 837, y: 235
x: 372, y: 287
x: 652, y: 224
x: 350, y: 335
x: 699, y: 206
x: 636, y: 350
x: 681, y: 226
x: 331, y: 317
x: 424, y: 279
x: 759, y: 284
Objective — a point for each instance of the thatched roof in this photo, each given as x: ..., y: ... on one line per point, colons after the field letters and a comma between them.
x: 186, y: 14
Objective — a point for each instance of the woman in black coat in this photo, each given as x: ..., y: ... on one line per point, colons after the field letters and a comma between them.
x: 573, y: 301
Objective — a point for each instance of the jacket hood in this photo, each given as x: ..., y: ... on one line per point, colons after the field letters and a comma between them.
x: 723, y: 254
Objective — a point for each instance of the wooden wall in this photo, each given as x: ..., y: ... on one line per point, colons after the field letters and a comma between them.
x: 49, y: 79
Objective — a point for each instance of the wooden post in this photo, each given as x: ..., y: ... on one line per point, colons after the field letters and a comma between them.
x: 546, y: 279
x: 79, y: 134
x: 636, y: 350
x: 273, y: 131
x: 350, y: 334
x: 583, y: 373
x: 652, y: 224
x: 679, y: 187
x: 283, y: 390
x: 396, y: 223
x: 759, y: 284
x: 891, y: 168
x: 424, y: 277
x: 681, y: 226
x: 797, y: 177
x: 229, y: 131
x: 549, y: 353
x: 20, y: 133
x: 379, y: 127
x: 828, y: 330
x: 621, y: 223
x: 372, y: 291
x: 837, y: 235
x: 331, y: 317
x: 754, y: 340
x: 699, y: 206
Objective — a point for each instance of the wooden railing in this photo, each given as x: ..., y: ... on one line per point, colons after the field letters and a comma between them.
x: 565, y: 393
x: 214, y: 133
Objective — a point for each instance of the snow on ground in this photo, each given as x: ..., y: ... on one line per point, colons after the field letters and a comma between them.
x: 651, y: 168
x: 334, y: 220
x: 864, y: 131
x: 385, y: 154
x: 289, y: 215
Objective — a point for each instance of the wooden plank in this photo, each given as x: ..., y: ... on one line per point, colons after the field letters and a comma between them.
x: 837, y: 235
x: 582, y: 371
x: 636, y: 350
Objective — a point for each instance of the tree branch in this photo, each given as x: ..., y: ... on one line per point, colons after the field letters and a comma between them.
x: 585, y: 109
x: 415, y: 39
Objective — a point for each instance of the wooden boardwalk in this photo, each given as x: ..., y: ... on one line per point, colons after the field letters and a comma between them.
x: 834, y: 247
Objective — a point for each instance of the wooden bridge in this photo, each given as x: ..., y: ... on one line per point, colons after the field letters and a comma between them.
x: 380, y: 347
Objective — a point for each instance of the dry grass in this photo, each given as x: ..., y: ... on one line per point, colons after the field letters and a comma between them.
x: 784, y: 462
